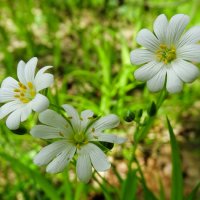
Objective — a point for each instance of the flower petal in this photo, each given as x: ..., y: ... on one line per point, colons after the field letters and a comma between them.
x: 147, y: 39
x: 104, y: 137
x: 29, y: 70
x: 186, y: 71
x: 157, y: 82
x: 6, y: 95
x: 189, y: 52
x: 45, y: 132
x: 176, y: 27
x: 141, y: 56
x: 107, y: 122
x: 73, y: 116
x: 86, y: 117
x: 174, y: 84
x: 9, y: 107
x: 21, y: 72
x: 43, y: 80
x: 84, y: 167
x: 25, y: 112
x: 39, y: 103
x: 61, y: 161
x: 97, y: 156
x: 9, y: 83
x: 192, y: 36
x: 13, y: 120
x: 160, y: 27
x: 148, y: 71
x: 49, y: 152
x: 52, y: 118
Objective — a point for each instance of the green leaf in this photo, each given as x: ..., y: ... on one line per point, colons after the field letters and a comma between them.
x: 148, y: 194
x: 193, y: 194
x: 39, y: 179
x: 177, y: 180
x: 130, y: 186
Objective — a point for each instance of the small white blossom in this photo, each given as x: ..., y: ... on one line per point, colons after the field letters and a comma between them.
x: 21, y: 97
x: 76, y: 135
x: 167, y: 54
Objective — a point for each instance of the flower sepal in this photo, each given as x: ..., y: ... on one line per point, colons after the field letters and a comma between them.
x: 22, y: 130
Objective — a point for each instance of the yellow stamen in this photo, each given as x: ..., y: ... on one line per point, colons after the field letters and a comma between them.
x: 30, y: 85
x: 24, y: 100
x: 166, y: 54
x: 16, y: 90
x: 32, y: 93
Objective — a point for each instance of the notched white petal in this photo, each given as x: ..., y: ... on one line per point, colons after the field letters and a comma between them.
x: 160, y: 27
x: 52, y: 118
x: 141, y: 56
x: 107, y: 122
x: 147, y: 71
x: 21, y: 72
x: 147, y: 39
x: 49, y: 152
x: 192, y: 36
x: 46, y: 132
x: 104, y: 137
x: 186, y: 71
x: 176, y: 27
x: 98, y: 158
x: 61, y: 161
x: 39, y: 103
x: 174, y: 84
x: 189, y: 52
x: 84, y: 168
x: 73, y: 116
x: 157, y: 82
x: 9, y: 83
x: 13, y: 120
x: 29, y: 70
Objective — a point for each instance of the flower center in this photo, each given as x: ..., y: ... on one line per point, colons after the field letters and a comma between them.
x: 80, y: 139
x: 25, y: 93
x: 166, y: 54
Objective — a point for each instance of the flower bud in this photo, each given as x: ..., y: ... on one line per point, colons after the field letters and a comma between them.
x: 130, y: 116
x: 152, y: 109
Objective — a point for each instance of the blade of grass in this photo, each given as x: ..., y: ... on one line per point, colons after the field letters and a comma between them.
x: 193, y: 194
x: 129, y: 187
x: 39, y: 179
x: 177, y: 180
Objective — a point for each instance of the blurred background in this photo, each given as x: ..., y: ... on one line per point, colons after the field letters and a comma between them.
x: 88, y: 43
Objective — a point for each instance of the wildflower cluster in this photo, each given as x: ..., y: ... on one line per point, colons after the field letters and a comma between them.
x: 168, y: 58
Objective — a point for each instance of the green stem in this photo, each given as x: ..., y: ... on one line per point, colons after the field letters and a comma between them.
x: 141, y: 132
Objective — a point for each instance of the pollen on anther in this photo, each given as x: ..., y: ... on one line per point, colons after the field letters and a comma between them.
x: 30, y: 85
x: 16, y: 90
x: 61, y: 134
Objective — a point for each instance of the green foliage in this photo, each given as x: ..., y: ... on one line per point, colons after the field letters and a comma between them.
x: 129, y: 187
x: 38, y: 178
x: 177, y: 180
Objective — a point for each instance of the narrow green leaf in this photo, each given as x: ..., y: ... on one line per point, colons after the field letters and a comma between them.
x: 148, y: 194
x: 162, y: 191
x: 39, y: 179
x: 79, y: 191
x: 193, y: 194
x: 177, y: 180
x: 130, y: 186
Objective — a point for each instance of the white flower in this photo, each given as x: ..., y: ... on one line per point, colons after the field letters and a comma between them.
x: 21, y: 97
x: 77, y: 135
x: 167, y: 54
